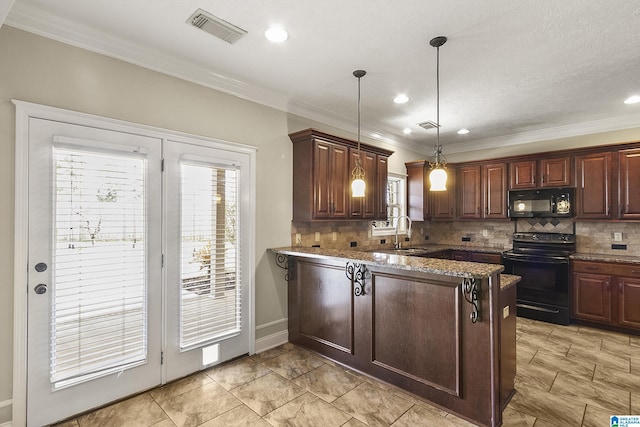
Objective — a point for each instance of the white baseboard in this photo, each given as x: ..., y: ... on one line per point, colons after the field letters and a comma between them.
x: 7, y: 424
x: 270, y: 341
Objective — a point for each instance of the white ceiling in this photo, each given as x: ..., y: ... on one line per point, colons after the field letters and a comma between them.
x: 511, y: 71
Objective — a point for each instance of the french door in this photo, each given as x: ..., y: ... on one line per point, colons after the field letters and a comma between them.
x: 135, y: 273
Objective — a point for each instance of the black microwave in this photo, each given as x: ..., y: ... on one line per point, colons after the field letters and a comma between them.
x: 544, y: 202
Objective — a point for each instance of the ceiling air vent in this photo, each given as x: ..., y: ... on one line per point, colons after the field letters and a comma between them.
x: 216, y: 26
x: 428, y: 125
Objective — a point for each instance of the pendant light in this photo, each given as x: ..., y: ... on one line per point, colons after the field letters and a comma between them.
x: 358, y: 185
x: 438, y: 174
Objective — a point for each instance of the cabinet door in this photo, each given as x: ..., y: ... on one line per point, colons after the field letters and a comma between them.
x: 593, y: 173
x: 322, y: 180
x: 592, y: 297
x: 629, y: 302
x: 443, y: 203
x: 417, y: 187
x: 470, y: 189
x: 339, y: 182
x: 523, y: 174
x: 555, y: 172
x: 382, y: 199
x: 629, y: 178
x: 495, y: 190
x: 363, y: 207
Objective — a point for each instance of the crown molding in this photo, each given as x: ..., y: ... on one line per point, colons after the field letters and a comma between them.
x: 5, y: 7
x: 567, y: 131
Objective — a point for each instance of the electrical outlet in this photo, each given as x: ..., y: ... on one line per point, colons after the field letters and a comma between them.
x: 317, y: 236
x: 485, y: 233
x: 617, y: 237
x: 298, y: 239
x: 334, y: 236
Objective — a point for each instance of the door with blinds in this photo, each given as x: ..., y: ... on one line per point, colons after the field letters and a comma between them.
x: 207, y: 201
x: 94, y: 280
x: 137, y: 248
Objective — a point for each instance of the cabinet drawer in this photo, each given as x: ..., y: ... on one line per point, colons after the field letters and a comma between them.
x: 614, y: 269
x: 460, y: 255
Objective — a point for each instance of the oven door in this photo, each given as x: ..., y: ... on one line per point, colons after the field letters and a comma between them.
x: 543, y: 291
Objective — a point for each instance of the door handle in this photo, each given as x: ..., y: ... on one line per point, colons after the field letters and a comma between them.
x: 40, y: 288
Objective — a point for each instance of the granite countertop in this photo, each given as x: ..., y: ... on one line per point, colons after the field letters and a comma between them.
x: 625, y: 259
x: 508, y: 280
x: 445, y: 267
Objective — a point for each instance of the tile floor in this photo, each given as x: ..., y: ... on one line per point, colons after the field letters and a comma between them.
x: 566, y: 376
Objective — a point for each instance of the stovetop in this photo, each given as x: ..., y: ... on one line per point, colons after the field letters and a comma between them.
x: 544, y: 244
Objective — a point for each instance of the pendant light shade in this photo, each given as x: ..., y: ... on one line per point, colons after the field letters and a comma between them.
x: 438, y: 174
x: 358, y: 186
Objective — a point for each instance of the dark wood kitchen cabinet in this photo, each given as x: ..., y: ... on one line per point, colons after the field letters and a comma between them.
x: 322, y: 166
x: 469, y: 192
x: 423, y: 204
x: 408, y: 328
x: 629, y: 184
x: 544, y: 172
x: 593, y: 186
x: 482, y: 191
x: 607, y: 293
x: 364, y: 207
x: 494, y: 191
x: 443, y: 203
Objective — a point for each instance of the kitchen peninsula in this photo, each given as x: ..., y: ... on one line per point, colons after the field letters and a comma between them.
x: 441, y: 329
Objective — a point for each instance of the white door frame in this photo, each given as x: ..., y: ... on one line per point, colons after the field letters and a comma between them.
x: 26, y: 110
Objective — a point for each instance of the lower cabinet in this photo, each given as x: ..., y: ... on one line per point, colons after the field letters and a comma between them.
x: 606, y: 293
x: 406, y: 328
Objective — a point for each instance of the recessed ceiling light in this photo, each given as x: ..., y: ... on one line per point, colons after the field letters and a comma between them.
x: 406, y: 131
x: 463, y: 131
x: 276, y: 34
x: 632, y: 99
x: 401, y: 99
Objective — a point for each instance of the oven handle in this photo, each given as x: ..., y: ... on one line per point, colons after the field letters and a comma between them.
x: 539, y: 260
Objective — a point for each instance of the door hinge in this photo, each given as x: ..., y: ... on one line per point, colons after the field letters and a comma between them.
x: 162, y: 165
x: 162, y: 357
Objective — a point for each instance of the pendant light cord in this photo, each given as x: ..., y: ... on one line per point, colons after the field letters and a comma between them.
x: 438, y: 104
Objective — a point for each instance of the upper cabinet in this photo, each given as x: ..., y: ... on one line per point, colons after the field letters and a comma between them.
x: 482, y: 191
x: 593, y: 185
x: 423, y: 204
x: 629, y: 187
x: 322, y: 166
x: 543, y: 172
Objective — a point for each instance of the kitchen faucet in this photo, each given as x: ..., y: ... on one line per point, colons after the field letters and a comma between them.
x: 397, y: 245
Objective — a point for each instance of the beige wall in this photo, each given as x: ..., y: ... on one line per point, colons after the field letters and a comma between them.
x: 42, y: 71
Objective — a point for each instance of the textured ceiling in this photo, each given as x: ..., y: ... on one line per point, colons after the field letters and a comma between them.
x: 539, y: 68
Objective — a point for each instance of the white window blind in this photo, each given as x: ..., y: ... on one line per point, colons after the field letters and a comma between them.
x: 99, y: 275
x: 210, y: 298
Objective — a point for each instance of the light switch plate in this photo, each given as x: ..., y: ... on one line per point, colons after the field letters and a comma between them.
x: 617, y: 237
x: 505, y: 312
x: 317, y: 236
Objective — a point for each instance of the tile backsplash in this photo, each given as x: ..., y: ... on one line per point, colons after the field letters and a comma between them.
x: 591, y: 237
